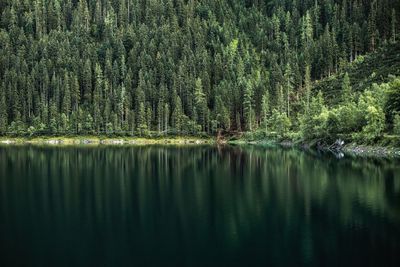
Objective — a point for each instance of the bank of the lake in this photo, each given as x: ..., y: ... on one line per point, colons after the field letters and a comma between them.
x: 350, y: 148
x: 384, y: 148
x: 105, y: 140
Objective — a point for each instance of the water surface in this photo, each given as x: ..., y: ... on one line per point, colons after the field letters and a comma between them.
x: 196, y: 206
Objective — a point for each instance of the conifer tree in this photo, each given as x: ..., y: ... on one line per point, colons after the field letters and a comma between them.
x: 307, y: 86
x: 3, y: 111
x: 66, y: 101
x: 265, y: 110
x: 200, y: 104
x: 248, y: 105
x: 288, y: 77
x: 394, y: 26
x: 346, y: 89
x: 177, y: 116
x: 372, y: 29
x: 97, y: 98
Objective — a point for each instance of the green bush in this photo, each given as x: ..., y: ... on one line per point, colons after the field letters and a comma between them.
x: 333, y: 123
x: 320, y: 122
x: 375, y: 122
x: 349, y: 118
x: 280, y: 122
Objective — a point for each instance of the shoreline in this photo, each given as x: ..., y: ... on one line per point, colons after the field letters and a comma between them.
x: 100, y: 140
x: 371, y: 151
x: 350, y: 149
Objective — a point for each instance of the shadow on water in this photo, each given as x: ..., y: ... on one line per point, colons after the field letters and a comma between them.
x: 196, y: 206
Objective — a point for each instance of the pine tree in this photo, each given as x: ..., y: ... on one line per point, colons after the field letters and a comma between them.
x: 307, y: 86
x: 166, y: 117
x: 97, y: 119
x: 372, y: 29
x: 177, y: 116
x: 394, y: 25
x: 140, y: 108
x: 3, y: 111
x: 66, y: 102
x: 83, y: 15
x: 265, y: 109
x: 149, y: 116
x: 346, y: 89
x: 107, y: 105
x: 279, y: 98
x: 87, y: 82
x: 248, y: 105
x: 200, y: 104
x: 53, y: 117
x: 121, y: 98
x: 288, y: 77
x: 307, y: 34
x: 64, y: 123
x: 222, y: 114
x: 75, y: 92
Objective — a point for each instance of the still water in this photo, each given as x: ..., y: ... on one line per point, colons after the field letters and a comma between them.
x: 196, y: 206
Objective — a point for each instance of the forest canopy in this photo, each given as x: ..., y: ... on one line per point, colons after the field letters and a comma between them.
x: 184, y: 66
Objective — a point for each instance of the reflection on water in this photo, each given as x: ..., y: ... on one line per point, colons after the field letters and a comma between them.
x: 196, y: 206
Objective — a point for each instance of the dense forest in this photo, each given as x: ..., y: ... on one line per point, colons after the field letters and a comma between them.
x: 137, y: 67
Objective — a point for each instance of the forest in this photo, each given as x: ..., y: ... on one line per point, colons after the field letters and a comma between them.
x: 186, y: 67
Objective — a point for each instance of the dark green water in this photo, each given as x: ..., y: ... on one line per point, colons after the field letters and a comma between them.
x: 196, y: 206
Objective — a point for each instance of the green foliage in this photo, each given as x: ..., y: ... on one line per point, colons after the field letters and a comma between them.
x: 396, y: 124
x: 349, y: 118
x: 346, y: 89
x: 375, y: 122
x: 393, y: 98
x: 280, y: 122
x: 314, y: 118
x: 376, y: 67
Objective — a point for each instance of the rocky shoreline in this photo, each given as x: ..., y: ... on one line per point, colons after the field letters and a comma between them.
x: 351, y: 149
x: 368, y: 151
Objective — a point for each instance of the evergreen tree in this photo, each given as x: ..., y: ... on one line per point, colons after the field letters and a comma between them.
x: 248, y: 105
x: 66, y: 102
x: 307, y: 85
x: 3, y: 111
x: 98, y: 89
x: 346, y: 89
x: 265, y: 110
x: 222, y: 115
x: 288, y: 77
x: 372, y: 29
x: 200, y: 104
x: 141, y: 119
x: 177, y: 116
x: 394, y: 26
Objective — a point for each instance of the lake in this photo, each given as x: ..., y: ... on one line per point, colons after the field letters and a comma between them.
x: 196, y: 206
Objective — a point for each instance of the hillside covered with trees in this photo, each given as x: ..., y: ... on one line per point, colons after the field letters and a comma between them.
x: 136, y: 67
